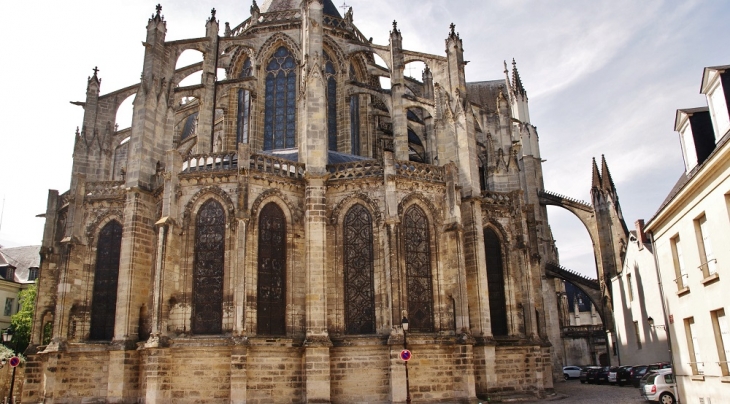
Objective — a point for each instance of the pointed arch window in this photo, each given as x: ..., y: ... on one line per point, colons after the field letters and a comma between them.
x: 495, y: 283
x: 106, y: 278
x: 358, y: 263
x: 354, y: 117
x: 210, y: 227
x: 330, y: 74
x: 244, y: 106
x: 271, y: 297
x: 418, y: 269
x: 280, y: 101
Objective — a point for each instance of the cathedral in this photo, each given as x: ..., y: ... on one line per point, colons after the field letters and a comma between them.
x: 282, y: 230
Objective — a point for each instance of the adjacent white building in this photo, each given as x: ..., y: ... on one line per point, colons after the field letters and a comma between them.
x: 691, y: 233
x: 640, y: 337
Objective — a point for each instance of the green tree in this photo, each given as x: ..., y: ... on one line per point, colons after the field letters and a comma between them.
x: 22, y: 321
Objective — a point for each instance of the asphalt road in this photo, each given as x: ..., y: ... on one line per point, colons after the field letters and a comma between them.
x: 572, y: 391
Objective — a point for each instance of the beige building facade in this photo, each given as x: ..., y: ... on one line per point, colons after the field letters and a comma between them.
x: 640, y: 337
x: 691, y: 232
x: 261, y: 236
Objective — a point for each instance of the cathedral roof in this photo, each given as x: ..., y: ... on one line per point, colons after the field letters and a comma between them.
x: 281, y: 5
x: 333, y: 157
x: 485, y: 93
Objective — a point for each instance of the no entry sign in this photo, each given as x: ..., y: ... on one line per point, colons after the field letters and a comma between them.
x: 405, y: 355
x: 14, y: 361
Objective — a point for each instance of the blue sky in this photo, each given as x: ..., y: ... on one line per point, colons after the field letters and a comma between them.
x: 603, y: 77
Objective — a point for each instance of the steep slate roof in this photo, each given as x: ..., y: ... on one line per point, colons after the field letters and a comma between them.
x: 485, y: 93
x: 281, y: 5
x: 22, y: 259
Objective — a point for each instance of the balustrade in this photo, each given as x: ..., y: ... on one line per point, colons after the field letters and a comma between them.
x: 419, y: 171
x: 355, y: 169
x: 274, y: 165
x: 210, y: 162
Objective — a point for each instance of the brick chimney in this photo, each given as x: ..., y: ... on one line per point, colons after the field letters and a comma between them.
x: 640, y: 235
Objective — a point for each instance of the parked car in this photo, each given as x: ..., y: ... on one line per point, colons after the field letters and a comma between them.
x: 659, y: 365
x: 602, y: 374
x: 571, y: 372
x: 585, y: 372
x: 659, y: 385
x: 613, y: 374
x: 637, y: 373
x: 623, y: 376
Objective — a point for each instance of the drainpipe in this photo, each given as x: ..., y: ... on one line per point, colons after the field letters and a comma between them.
x: 664, y: 306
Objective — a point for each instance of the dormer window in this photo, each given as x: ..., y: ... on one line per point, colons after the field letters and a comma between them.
x: 715, y: 82
x: 697, y: 137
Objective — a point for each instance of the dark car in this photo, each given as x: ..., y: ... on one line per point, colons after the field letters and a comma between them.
x: 602, y: 374
x: 623, y: 376
x: 637, y: 373
x: 659, y: 365
x: 584, y: 373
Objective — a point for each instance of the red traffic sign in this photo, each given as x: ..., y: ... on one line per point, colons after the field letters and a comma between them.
x: 14, y: 361
x: 405, y: 355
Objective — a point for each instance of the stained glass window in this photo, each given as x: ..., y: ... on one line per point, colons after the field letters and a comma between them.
x: 355, y: 124
x: 358, y: 263
x: 495, y: 283
x: 330, y: 75
x: 280, y: 101
x: 244, y: 114
x: 106, y: 277
x: 418, y: 269
x: 210, y: 227
x: 245, y: 70
x: 271, y: 300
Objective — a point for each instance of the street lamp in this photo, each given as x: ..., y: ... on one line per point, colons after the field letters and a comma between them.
x: 7, y: 337
x: 404, y: 324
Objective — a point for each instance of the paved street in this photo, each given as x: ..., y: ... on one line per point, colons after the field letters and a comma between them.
x: 591, y: 393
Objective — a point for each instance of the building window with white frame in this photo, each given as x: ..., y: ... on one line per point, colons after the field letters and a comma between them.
x: 722, y: 339
x: 679, y: 268
x: 693, y: 347
x: 707, y: 257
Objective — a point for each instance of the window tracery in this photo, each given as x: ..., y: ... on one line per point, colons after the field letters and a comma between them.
x: 495, y: 283
x: 271, y: 290
x: 418, y: 269
x: 208, y: 268
x: 358, y: 268
x: 106, y: 278
x: 280, y: 101
x: 244, y: 106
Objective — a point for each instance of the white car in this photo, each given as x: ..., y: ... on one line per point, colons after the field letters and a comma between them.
x: 571, y: 372
x: 660, y: 386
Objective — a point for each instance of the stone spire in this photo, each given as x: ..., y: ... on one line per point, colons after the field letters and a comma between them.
x: 517, y: 86
x: 596, y: 176
x: 94, y: 81
x: 157, y: 16
x: 607, y: 181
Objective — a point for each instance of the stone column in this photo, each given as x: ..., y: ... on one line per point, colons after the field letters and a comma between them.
x: 397, y: 91
x: 206, y: 116
x: 239, y: 378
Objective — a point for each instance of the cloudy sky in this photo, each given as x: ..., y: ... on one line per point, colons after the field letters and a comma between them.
x: 603, y: 77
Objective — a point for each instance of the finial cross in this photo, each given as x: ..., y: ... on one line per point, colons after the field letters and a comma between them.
x: 344, y: 6
x: 212, y: 13
x: 158, y: 8
x: 96, y: 70
x: 453, y: 27
x: 395, y: 25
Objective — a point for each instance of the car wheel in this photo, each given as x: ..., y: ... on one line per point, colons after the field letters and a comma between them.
x: 666, y: 398
x: 582, y: 382
x: 566, y: 377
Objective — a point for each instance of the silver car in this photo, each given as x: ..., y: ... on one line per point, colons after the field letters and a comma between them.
x: 660, y: 386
